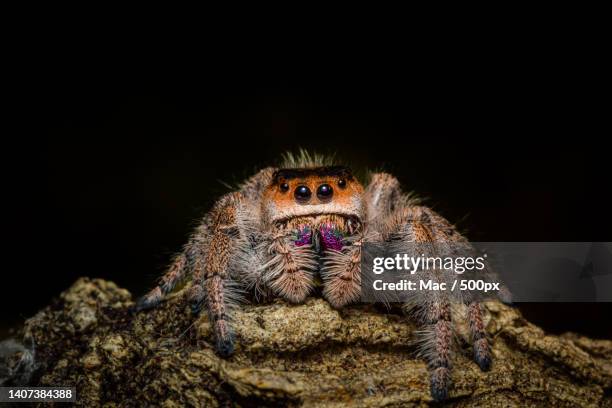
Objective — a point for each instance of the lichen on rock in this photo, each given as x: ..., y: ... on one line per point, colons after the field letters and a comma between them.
x: 294, y: 355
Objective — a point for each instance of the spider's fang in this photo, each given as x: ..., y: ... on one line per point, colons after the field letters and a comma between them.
x: 303, y: 235
x: 331, y: 237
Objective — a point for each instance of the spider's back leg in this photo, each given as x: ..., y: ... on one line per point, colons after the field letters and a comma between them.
x: 433, y: 310
x: 423, y: 226
x: 188, y: 261
x: 482, y: 350
x: 437, y: 344
x: 173, y: 276
x: 214, y: 274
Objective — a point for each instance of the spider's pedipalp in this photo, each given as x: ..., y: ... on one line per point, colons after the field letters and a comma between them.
x: 341, y: 269
x: 289, y: 272
x: 341, y: 273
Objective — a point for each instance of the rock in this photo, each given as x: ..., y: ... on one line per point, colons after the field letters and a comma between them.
x: 304, y: 355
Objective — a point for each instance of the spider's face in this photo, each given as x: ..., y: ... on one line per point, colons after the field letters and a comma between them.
x: 314, y: 193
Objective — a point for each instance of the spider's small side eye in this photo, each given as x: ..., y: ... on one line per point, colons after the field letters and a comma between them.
x: 284, y: 187
x: 342, y: 183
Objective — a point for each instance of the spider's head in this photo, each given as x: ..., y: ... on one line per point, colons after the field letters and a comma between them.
x: 315, y: 193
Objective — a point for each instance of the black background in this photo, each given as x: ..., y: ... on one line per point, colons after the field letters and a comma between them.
x: 128, y: 157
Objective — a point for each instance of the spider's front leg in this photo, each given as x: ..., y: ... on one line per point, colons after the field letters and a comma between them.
x: 211, y: 280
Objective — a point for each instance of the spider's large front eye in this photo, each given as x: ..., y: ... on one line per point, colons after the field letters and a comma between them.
x: 302, y: 193
x: 325, y: 191
x: 284, y: 187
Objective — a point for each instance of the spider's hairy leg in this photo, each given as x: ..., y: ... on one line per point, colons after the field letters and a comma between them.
x: 437, y: 343
x: 437, y: 333
x: 400, y: 222
x: 445, y: 232
x: 382, y: 194
x: 188, y: 261
x: 196, y: 294
x: 175, y: 274
x: 215, y: 270
x: 482, y: 351
x: 436, y: 236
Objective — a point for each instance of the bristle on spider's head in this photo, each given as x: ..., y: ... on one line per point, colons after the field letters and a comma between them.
x: 305, y: 159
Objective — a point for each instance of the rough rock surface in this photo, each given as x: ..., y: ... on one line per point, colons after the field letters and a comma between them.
x: 306, y: 355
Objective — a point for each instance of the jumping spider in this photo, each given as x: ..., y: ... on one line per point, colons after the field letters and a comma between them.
x: 288, y: 230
